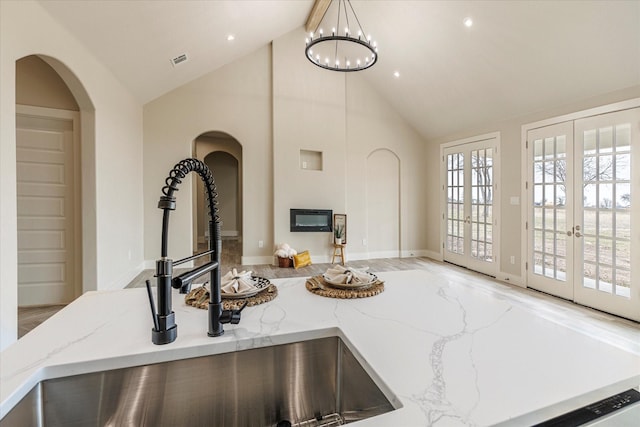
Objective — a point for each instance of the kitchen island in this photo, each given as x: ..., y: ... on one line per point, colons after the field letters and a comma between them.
x: 444, y: 353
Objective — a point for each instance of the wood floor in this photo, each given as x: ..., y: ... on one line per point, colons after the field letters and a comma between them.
x: 30, y: 317
x: 614, y: 330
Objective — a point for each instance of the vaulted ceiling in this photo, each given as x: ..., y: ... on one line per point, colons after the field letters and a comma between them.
x: 519, y: 57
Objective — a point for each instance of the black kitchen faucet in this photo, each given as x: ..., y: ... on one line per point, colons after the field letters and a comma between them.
x: 165, y: 329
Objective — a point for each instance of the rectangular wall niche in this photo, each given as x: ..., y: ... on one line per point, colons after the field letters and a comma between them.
x: 311, y: 160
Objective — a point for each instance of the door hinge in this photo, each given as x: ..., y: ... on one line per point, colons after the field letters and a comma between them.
x: 526, y: 185
x: 526, y: 144
x: 526, y: 265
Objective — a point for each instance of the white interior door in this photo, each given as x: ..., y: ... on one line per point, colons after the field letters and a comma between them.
x: 583, y: 176
x: 469, y: 216
x: 46, y: 210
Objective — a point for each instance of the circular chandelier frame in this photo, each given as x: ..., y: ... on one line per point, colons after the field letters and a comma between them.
x: 341, y: 39
x: 347, y: 68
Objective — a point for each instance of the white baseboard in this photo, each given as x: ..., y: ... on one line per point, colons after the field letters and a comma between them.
x: 322, y: 259
x: 436, y: 256
x: 384, y: 254
x: 359, y: 256
x: 256, y: 260
x: 414, y: 253
x: 512, y: 279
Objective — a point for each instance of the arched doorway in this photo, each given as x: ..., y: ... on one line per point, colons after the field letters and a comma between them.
x: 223, y: 154
x: 383, y: 204
x: 48, y: 186
x: 47, y: 87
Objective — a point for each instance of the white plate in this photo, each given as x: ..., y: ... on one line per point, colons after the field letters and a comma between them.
x: 260, y: 284
x: 352, y: 285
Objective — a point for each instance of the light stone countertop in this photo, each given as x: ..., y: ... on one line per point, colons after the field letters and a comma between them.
x: 450, y: 354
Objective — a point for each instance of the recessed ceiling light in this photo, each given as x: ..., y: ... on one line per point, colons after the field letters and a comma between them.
x: 468, y: 22
x: 396, y: 74
x: 231, y: 38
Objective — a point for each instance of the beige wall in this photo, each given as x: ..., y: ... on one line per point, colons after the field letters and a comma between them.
x: 511, y: 179
x: 340, y: 115
x: 309, y: 113
x: 236, y: 100
x: 372, y: 125
x: 111, y: 137
x: 39, y: 85
x: 275, y: 103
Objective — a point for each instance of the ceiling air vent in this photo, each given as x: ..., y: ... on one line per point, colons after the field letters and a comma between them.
x: 179, y: 59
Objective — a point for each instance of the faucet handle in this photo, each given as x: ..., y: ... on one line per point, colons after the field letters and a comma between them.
x: 154, y: 313
x: 232, y: 316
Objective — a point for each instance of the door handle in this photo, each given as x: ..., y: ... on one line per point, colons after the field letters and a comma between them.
x: 577, y: 233
x: 569, y: 233
x: 467, y: 220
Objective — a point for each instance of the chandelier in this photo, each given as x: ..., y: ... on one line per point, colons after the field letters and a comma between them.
x: 345, y: 47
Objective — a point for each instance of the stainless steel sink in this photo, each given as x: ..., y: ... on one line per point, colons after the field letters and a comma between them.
x: 309, y: 383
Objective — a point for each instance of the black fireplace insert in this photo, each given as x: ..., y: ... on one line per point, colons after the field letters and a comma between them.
x: 311, y: 220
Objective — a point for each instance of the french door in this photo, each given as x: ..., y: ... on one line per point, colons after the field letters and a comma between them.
x: 469, y: 216
x: 583, y: 177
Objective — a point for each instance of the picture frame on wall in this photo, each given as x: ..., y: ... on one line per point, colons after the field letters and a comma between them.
x: 340, y: 229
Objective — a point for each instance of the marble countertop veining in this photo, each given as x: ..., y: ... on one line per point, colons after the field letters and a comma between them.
x: 450, y: 354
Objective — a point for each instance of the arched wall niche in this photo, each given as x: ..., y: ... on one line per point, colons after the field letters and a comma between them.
x: 223, y: 154
x: 383, y: 189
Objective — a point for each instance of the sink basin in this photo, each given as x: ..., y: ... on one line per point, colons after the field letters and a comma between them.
x: 317, y: 382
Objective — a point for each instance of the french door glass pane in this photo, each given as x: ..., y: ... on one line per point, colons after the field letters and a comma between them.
x: 455, y: 203
x: 606, y: 226
x: 549, y: 201
x: 481, y: 203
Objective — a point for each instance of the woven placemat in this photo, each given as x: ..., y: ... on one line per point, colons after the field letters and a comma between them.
x: 199, y: 298
x: 317, y: 285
